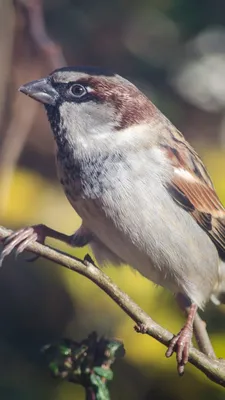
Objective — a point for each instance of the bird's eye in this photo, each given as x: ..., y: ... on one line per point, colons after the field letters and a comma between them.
x: 78, y: 90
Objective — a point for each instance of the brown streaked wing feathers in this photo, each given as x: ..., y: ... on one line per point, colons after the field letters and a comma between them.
x: 197, y: 196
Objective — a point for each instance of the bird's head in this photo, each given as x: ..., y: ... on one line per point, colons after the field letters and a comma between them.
x: 89, y: 101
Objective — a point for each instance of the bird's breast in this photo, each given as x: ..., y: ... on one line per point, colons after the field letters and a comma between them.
x: 126, y: 206
x: 88, y: 177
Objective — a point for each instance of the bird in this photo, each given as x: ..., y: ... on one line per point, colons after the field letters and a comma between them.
x: 142, y: 192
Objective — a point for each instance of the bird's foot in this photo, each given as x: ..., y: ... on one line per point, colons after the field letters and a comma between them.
x: 22, y: 238
x: 181, y: 344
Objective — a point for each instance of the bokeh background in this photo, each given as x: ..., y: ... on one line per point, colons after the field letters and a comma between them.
x: 174, y: 50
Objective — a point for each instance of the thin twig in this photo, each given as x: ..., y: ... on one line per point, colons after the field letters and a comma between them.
x: 202, y: 337
x: 213, y: 369
x: 39, y: 34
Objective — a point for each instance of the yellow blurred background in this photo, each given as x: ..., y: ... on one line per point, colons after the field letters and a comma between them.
x: 174, y: 50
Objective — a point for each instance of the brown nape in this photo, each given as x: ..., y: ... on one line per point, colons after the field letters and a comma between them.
x: 133, y: 106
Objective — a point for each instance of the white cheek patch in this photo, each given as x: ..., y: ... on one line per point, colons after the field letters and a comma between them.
x: 89, y: 89
x: 183, y: 173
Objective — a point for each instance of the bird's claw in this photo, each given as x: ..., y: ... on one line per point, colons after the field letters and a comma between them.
x: 22, y: 238
x: 181, y: 344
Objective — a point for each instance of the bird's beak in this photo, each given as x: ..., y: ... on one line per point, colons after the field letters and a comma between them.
x: 40, y: 90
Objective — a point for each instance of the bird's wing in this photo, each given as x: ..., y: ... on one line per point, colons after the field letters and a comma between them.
x: 192, y: 188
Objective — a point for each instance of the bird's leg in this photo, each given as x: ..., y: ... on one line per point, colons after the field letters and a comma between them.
x: 182, y: 341
x: 81, y: 237
x: 38, y: 233
x: 199, y: 327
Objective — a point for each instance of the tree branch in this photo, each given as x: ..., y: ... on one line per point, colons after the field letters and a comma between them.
x: 39, y: 34
x: 213, y: 369
x: 202, y: 337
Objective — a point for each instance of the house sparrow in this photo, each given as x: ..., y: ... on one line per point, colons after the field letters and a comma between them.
x: 142, y: 192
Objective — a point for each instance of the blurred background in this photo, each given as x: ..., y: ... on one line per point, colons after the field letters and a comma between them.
x: 174, y: 50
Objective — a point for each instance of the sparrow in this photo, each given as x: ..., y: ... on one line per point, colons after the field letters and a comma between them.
x: 143, y: 194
